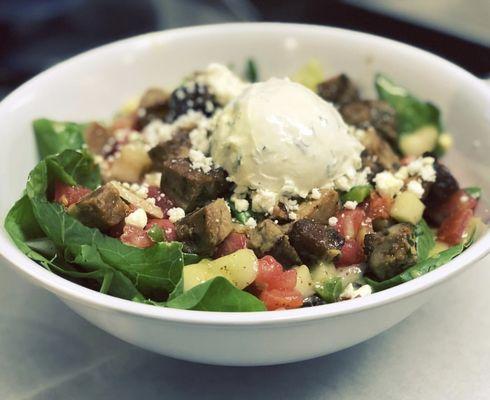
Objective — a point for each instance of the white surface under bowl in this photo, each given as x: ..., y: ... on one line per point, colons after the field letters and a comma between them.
x: 94, y: 84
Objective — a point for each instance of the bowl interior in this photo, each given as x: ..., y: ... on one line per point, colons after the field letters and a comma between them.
x: 95, y: 84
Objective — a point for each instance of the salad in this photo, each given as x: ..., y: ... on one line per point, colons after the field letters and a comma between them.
x: 228, y: 193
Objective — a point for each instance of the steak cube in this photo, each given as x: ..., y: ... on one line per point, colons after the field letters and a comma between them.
x: 338, y: 90
x: 314, y: 241
x: 205, y: 228
x: 320, y: 210
x: 102, y: 209
x: 177, y: 147
x: 189, y: 188
x: 391, y: 251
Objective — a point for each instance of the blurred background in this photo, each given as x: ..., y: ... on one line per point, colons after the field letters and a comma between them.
x: 35, y: 34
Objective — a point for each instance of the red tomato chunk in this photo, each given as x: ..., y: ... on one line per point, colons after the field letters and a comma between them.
x: 276, y: 286
x: 137, y: 237
x: 379, y: 206
x: 453, y: 228
x: 68, y: 195
x: 351, y: 253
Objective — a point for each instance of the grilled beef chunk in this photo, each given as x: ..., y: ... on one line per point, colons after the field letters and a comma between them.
x: 269, y: 238
x: 153, y: 105
x: 283, y: 252
x: 320, y: 210
x: 205, y: 228
x: 391, y: 251
x: 177, y: 147
x: 263, y: 237
x: 380, y: 224
x: 189, y: 188
x: 314, y: 241
x: 438, y: 193
x: 96, y: 137
x: 378, y: 154
x: 372, y: 113
x: 338, y: 90
x: 103, y: 208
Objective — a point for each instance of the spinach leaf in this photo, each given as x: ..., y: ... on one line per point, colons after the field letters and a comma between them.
x: 251, y: 71
x: 424, y: 239
x: 53, y: 137
x: 419, y: 269
x: 241, y: 216
x: 217, y: 294
x: 152, y: 270
x: 411, y: 113
x: 474, y: 192
x: 357, y: 193
x: 331, y: 289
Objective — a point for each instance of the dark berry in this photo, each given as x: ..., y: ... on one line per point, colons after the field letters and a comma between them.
x: 191, y: 96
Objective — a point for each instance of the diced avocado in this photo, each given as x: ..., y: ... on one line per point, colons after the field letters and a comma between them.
x: 419, y: 142
x: 407, y: 208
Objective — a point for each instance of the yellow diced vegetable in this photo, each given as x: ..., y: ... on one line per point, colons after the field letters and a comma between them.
x: 133, y: 160
x: 304, y: 283
x: 407, y: 208
x: 418, y: 142
x: 310, y: 74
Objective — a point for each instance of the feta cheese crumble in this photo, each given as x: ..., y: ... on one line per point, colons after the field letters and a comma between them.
x: 350, y: 205
x: 200, y: 161
x: 351, y: 293
x: 416, y: 188
x: 388, y: 184
x: 332, y: 221
x: 137, y: 218
x: 315, y: 194
x: 175, y: 214
x: 251, y: 222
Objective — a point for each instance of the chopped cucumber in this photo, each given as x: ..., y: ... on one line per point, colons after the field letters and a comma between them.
x: 407, y: 208
x: 419, y: 142
x: 310, y: 74
x: 240, y: 268
x: 474, y: 192
x: 304, y: 283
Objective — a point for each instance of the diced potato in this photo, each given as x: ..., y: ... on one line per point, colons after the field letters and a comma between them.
x: 131, y: 163
x: 304, y: 283
x: 130, y: 106
x: 418, y: 142
x: 310, y: 74
x: 407, y: 208
x: 438, y: 247
x: 240, y: 268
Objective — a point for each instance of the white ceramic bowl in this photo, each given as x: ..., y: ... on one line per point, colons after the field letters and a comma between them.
x: 93, y: 85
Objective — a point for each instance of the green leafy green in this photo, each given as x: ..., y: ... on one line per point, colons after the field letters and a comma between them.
x: 241, y: 216
x: 357, y: 193
x: 53, y: 137
x: 156, y: 234
x: 152, y: 270
x: 419, y: 269
x: 251, y: 71
x: 424, y: 239
x: 411, y: 113
x: 331, y: 289
x: 474, y: 192
x: 217, y: 294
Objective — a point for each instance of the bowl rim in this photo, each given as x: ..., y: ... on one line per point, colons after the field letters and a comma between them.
x: 72, y: 292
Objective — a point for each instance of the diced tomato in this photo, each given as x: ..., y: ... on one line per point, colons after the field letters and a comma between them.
x: 167, y: 226
x: 269, y: 271
x: 379, y: 206
x: 349, y: 222
x: 275, y: 299
x: 161, y: 200
x: 134, y: 236
x: 458, y: 201
x: 233, y: 242
x: 351, y: 253
x: 68, y: 195
x: 453, y: 227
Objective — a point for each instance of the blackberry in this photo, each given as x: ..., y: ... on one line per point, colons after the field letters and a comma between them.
x: 313, y: 301
x: 191, y: 96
